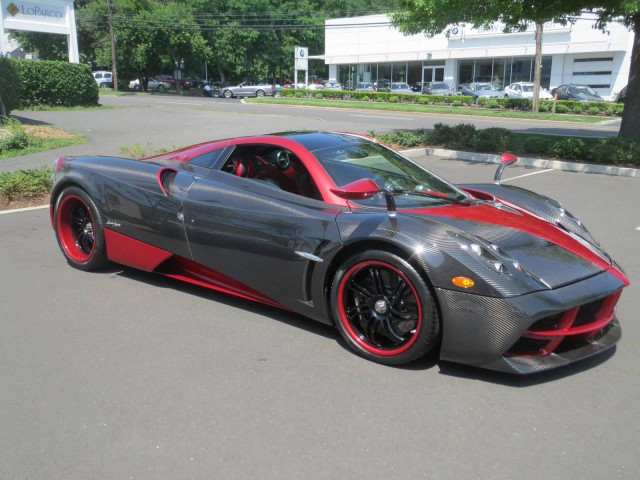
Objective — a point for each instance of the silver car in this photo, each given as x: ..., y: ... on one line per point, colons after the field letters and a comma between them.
x: 246, y: 89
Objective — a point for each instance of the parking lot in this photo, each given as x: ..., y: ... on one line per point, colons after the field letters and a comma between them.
x: 124, y: 374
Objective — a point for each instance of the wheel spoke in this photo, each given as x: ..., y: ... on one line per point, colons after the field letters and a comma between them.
x: 377, y: 281
x: 390, y: 329
x: 362, y: 290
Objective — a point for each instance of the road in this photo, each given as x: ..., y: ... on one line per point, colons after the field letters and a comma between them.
x: 123, y: 374
x: 165, y: 121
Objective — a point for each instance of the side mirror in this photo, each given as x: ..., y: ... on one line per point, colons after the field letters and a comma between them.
x: 507, y: 159
x: 365, y: 188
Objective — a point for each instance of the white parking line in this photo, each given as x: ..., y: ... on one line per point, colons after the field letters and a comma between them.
x: 27, y: 209
x: 528, y: 174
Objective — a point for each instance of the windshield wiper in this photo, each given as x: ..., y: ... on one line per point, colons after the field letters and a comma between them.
x: 436, y: 196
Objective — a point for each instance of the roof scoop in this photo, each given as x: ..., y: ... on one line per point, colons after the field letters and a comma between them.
x: 507, y: 159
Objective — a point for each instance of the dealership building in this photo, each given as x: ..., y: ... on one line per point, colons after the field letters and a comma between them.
x: 369, y: 49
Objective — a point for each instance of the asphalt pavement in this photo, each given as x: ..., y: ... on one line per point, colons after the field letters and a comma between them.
x: 123, y: 374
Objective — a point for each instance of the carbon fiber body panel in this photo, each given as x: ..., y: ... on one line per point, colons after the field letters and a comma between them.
x: 480, y: 330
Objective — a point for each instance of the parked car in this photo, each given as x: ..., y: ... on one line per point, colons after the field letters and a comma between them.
x: 622, y: 96
x: 185, y: 83
x: 438, y: 88
x: 524, y: 90
x: 401, y: 87
x: 582, y: 93
x: 333, y: 86
x: 103, y: 78
x: 246, y: 89
x: 152, y: 85
x: 383, y: 85
x: 346, y: 231
x: 364, y: 87
x: 481, y: 89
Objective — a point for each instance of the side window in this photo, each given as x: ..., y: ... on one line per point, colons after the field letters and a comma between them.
x: 273, y: 166
x: 207, y: 159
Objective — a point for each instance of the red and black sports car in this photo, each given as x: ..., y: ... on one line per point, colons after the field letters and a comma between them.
x: 342, y: 229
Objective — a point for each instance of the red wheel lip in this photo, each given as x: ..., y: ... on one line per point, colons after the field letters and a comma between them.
x: 65, y: 232
x: 349, y: 328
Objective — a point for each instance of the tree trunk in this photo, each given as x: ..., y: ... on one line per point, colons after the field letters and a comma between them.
x: 537, y: 69
x: 631, y: 116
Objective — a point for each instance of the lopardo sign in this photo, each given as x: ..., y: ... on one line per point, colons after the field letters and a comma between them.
x: 48, y: 16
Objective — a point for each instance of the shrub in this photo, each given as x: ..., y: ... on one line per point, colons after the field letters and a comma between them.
x: 617, y: 150
x: 609, y: 111
x: 25, y: 183
x: 10, y: 84
x: 560, y: 108
x: 570, y: 148
x: 593, y: 111
x: 537, y: 145
x: 12, y: 135
x: 456, y: 103
x: 492, y: 139
x: 543, y: 108
x: 619, y: 109
x: 56, y: 83
x: 442, y: 133
x: 423, y: 100
x: 318, y: 96
x: 406, y: 138
x: 492, y: 104
x: 393, y: 99
x: 577, y: 109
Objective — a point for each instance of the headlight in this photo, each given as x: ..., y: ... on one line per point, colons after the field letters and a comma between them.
x: 485, y: 252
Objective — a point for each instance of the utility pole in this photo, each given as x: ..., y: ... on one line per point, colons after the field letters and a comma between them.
x: 112, y: 38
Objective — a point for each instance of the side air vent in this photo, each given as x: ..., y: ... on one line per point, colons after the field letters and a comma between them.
x: 165, y: 180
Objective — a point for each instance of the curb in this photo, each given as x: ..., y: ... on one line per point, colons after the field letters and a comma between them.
x: 527, y: 162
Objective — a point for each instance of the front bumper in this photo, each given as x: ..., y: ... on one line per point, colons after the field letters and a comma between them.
x: 530, y: 333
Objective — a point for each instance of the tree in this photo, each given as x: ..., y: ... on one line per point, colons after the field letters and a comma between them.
x: 150, y: 36
x: 627, y: 13
x: 435, y: 16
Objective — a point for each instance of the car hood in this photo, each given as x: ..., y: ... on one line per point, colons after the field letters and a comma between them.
x: 443, y: 91
x: 545, y: 252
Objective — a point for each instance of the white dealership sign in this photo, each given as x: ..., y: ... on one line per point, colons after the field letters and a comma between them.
x: 47, y: 16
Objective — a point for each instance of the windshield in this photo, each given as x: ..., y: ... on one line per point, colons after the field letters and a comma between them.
x: 400, y: 86
x: 527, y: 88
x: 440, y: 86
x: 409, y: 182
x: 583, y: 90
x: 487, y: 86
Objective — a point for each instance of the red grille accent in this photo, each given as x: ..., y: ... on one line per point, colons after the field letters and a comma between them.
x: 576, y: 325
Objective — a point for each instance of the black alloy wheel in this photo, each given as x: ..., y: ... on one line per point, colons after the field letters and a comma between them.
x: 384, y: 309
x: 79, y: 230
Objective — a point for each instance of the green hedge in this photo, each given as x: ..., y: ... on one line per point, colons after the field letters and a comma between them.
x: 607, y: 151
x: 9, y: 84
x: 55, y: 83
x: 524, y: 104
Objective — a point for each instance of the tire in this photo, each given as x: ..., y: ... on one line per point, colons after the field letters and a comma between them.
x: 79, y: 230
x: 137, y: 88
x: 104, y: 85
x: 160, y: 89
x: 227, y: 94
x: 383, y: 308
x: 260, y: 93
